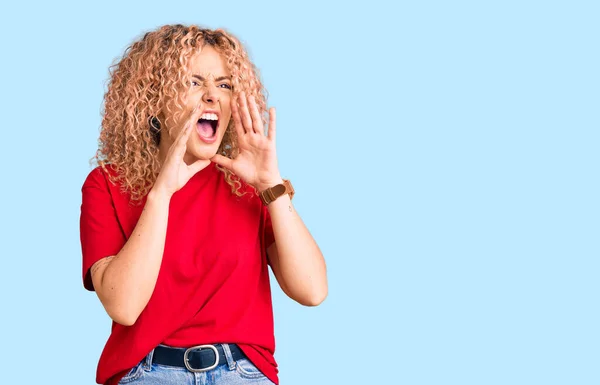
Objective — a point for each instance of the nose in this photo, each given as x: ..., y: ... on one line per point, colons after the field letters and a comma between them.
x: 210, y: 95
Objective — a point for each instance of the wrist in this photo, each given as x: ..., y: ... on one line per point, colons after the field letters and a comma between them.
x: 158, y: 195
x: 275, y: 191
x: 262, y: 186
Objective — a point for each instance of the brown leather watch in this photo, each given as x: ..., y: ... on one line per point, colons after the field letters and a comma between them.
x: 272, y: 193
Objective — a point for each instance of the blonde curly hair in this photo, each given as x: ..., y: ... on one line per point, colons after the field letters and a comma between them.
x: 153, y: 77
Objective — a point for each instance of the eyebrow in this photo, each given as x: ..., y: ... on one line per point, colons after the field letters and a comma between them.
x: 216, y: 79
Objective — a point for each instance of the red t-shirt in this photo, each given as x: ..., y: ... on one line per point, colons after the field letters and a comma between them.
x: 213, y: 284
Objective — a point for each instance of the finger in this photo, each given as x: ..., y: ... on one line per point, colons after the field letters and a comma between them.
x: 188, y: 121
x: 181, y: 142
x: 235, y: 114
x: 272, y: 117
x: 192, y: 117
x: 177, y: 140
x: 185, y: 133
x: 222, y: 161
x: 257, y: 123
x: 245, y: 114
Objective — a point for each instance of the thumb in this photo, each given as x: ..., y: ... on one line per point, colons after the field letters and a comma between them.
x: 222, y: 161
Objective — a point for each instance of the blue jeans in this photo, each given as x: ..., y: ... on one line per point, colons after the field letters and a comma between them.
x: 240, y: 372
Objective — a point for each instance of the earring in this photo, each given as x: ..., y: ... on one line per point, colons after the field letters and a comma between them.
x: 155, y: 129
x: 154, y: 124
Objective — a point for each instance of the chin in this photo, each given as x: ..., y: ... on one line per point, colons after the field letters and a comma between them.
x: 203, y: 150
x: 204, y: 154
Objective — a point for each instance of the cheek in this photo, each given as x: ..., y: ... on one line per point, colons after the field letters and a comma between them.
x: 226, y: 115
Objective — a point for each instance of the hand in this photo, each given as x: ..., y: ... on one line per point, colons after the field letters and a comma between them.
x: 256, y: 163
x: 174, y: 172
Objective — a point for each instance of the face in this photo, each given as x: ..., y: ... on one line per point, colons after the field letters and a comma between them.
x: 211, y: 92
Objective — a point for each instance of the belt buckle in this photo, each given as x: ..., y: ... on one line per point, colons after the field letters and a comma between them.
x: 200, y: 347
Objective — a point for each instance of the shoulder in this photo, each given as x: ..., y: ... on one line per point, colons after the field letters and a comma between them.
x: 100, y: 177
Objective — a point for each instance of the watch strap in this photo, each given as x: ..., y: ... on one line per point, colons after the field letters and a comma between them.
x: 272, y: 193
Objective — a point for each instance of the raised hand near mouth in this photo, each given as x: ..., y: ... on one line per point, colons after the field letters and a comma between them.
x: 174, y: 172
x: 256, y: 163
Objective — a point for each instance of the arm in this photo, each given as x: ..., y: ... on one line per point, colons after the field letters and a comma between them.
x: 295, y: 257
x: 124, y: 283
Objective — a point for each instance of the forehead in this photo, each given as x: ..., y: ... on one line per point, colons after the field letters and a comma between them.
x: 209, y: 62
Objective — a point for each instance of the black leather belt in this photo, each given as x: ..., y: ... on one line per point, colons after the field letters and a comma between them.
x: 199, y: 358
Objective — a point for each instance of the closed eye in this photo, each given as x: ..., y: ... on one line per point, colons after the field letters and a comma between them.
x: 224, y: 85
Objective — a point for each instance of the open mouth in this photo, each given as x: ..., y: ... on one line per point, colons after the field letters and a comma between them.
x: 207, y: 128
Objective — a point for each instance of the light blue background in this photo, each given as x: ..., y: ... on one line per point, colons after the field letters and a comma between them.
x: 445, y: 157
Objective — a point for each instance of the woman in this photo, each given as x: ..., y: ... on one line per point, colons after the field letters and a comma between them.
x: 186, y: 211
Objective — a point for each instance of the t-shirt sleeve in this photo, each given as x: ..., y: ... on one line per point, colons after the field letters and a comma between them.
x: 100, y: 232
